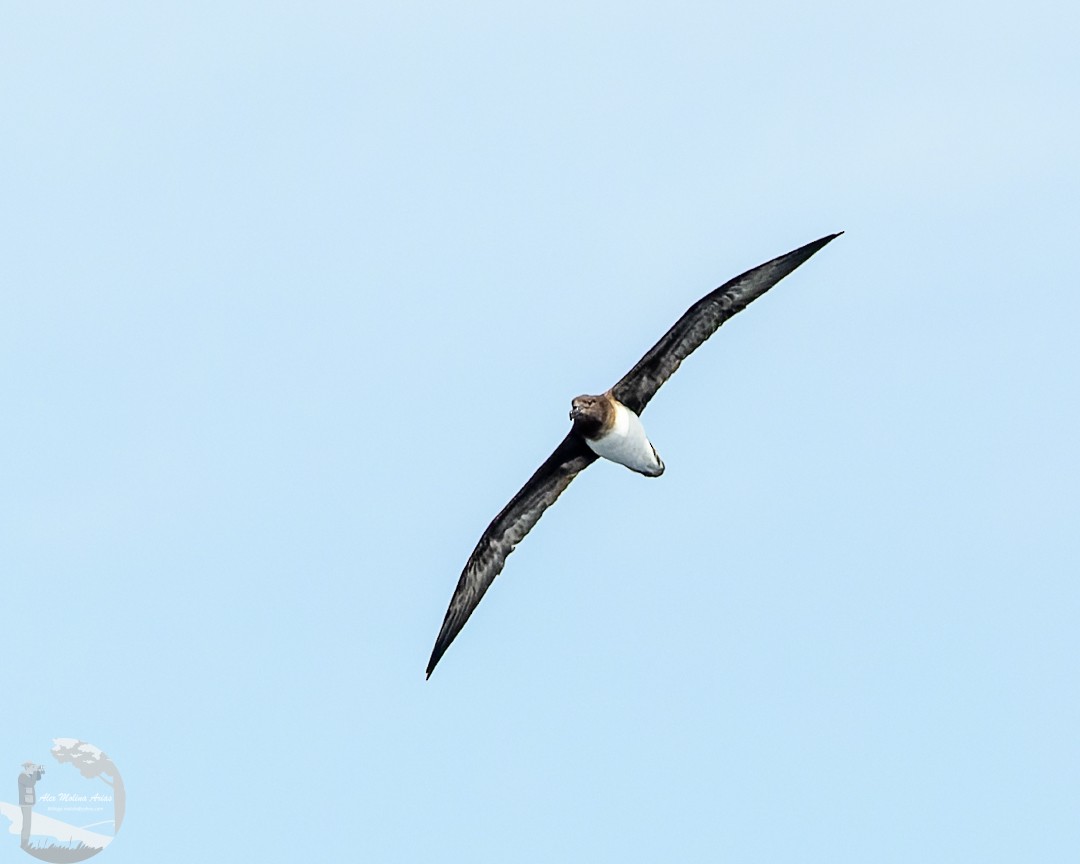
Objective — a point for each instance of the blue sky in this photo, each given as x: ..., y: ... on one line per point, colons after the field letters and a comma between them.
x: 293, y: 301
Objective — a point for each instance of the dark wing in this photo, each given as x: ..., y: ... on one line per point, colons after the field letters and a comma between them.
x: 701, y: 320
x: 507, y: 530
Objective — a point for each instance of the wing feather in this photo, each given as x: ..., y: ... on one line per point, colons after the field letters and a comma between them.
x: 701, y: 320
x: 507, y: 530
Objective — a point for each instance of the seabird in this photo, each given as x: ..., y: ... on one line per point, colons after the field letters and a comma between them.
x: 607, y: 425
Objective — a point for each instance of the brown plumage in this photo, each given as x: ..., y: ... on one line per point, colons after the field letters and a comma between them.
x: 592, y: 417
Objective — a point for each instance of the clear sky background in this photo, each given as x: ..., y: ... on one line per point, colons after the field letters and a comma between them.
x: 295, y: 297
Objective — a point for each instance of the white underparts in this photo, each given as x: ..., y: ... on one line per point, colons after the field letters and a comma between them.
x: 627, y: 444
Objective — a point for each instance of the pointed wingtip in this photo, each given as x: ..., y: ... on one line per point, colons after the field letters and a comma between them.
x: 794, y: 259
x: 436, y: 656
x: 804, y: 252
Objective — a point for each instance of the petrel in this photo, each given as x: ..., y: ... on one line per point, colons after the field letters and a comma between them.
x: 607, y: 425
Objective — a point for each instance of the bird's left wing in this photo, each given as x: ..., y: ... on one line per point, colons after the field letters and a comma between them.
x: 507, y: 530
x: 700, y: 321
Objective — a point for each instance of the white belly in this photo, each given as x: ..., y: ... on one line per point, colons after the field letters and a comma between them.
x: 627, y: 444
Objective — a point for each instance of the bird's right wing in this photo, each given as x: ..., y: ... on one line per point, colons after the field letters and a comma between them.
x: 507, y: 530
x: 701, y: 320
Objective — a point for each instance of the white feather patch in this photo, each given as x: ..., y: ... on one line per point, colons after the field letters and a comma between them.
x: 627, y: 444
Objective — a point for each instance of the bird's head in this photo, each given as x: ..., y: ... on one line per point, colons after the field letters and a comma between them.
x: 591, y: 414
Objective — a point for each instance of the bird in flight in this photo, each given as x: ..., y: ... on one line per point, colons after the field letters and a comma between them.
x: 607, y: 425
